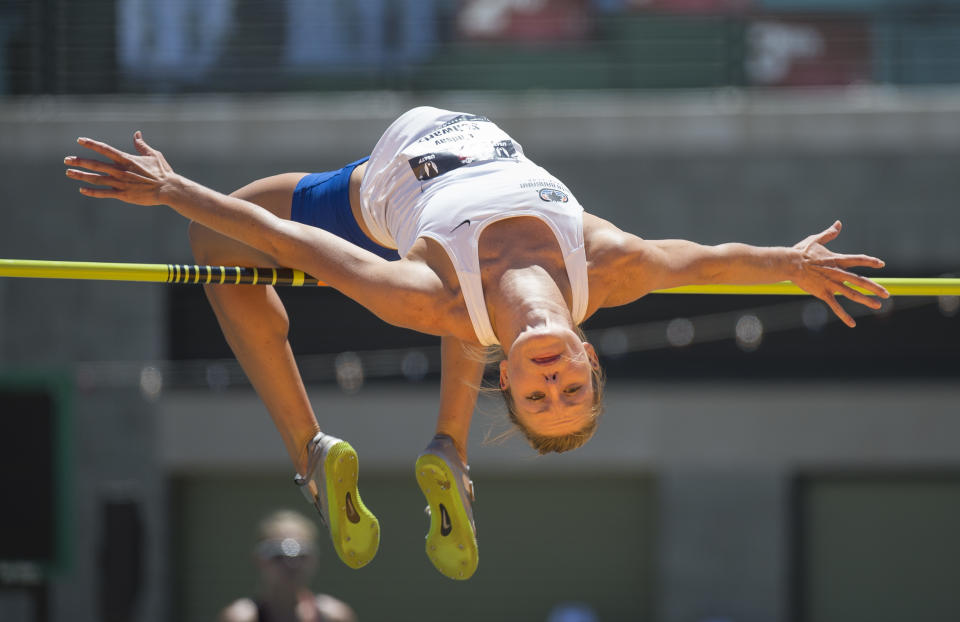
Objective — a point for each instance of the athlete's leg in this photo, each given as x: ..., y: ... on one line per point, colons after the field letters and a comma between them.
x: 255, y: 325
x: 254, y: 321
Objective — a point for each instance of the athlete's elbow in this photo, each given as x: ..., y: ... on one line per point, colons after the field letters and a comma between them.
x: 696, y: 267
x: 425, y: 314
x: 711, y: 270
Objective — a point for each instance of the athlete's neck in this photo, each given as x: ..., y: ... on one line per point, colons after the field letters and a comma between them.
x: 525, y: 299
x: 523, y: 278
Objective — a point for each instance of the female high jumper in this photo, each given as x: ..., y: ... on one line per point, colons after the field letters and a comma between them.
x: 448, y: 229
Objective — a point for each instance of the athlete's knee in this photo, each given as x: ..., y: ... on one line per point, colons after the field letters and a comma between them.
x: 201, y: 241
x: 273, y: 194
x: 208, y: 246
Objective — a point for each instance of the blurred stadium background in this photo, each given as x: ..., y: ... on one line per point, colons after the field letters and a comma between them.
x: 758, y: 462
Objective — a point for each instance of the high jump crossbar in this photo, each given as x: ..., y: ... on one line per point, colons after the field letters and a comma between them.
x: 288, y: 277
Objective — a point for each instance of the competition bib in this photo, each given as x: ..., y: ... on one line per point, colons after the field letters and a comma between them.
x: 460, y: 141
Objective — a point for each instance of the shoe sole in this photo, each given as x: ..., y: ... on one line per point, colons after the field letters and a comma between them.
x: 455, y: 554
x: 354, y: 530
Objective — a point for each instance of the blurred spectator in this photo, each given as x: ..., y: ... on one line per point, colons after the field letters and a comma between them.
x: 808, y: 51
x: 367, y: 33
x: 179, y: 40
x: 524, y: 20
x: 286, y: 556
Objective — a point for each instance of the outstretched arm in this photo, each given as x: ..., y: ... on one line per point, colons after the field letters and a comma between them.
x: 643, y: 266
x: 461, y: 375
x: 402, y: 293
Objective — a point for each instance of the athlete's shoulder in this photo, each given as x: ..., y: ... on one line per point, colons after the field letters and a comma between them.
x: 601, y: 237
x: 611, y: 253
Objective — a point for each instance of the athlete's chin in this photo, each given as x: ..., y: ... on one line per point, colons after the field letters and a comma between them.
x: 542, y: 344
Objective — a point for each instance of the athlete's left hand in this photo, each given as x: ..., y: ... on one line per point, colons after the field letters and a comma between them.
x: 138, y: 179
x: 825, y: 274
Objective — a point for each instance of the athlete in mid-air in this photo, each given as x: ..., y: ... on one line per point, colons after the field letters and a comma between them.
x: 448, y: 229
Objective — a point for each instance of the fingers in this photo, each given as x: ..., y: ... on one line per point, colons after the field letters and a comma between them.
x: 140, y: 144
x: 838, y: 287
x: 93, y: 178
x: 868, y: 301
x: 93, y: 165
x: 108, y: 176
x: 829, y: 234
x: 104, y: 149
x: 838, y: 310
x: 843, y: 277
x: 864, y: 283
x: 101, y: 193
x: 106, y: 169
x: 854, y: 261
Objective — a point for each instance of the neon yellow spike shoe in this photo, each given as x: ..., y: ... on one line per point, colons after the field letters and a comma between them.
x: 330, y: 485
x: 452, y: 539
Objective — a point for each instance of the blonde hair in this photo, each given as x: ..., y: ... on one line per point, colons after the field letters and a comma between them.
x: 545, y: 444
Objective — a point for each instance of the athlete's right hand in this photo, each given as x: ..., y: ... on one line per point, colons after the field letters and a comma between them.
x: 826, y: 274
x: 138, y: 179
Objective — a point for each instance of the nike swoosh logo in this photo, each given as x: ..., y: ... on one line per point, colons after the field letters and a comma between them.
x: 445, y: 526
x: 465, y: 222
x: 352, y: 515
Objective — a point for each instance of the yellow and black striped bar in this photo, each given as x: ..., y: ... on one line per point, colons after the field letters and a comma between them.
x: 287, y: 277
x: 155, y: 273
x: 237, y: 275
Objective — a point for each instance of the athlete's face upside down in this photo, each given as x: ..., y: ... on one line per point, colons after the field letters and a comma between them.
x: 548, y: 382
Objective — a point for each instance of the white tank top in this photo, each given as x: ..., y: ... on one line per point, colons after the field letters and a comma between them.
x: 448, y: 175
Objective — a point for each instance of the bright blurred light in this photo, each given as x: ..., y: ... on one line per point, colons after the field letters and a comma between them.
x: 218, y: 378
x: 680, y: 332
x: 290, y: 547
x: 949, y: 305
x: 614, y: 342
x: 151, y: 382
x: 414, y: 365
x: 749, y: 333
x: 815, y: 315
x: 349, y: 370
